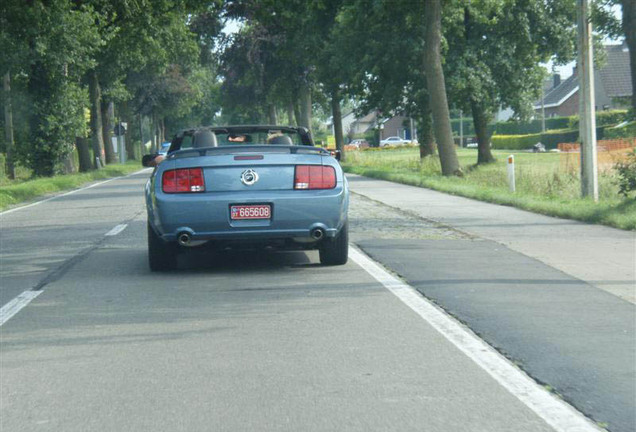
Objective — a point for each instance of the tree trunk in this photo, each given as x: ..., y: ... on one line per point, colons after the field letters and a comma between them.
x: 305, y: 107
x: 84, y: 154
x: 42, y: 158
x: 426, y: 137
x: 336, y: 112
x: 437, y: 90
x: 271, y: 113
x: 69, y: 164
x: 125, y: 115
x: 296, y: 104
x: 629, y: 26
x: 480, y: 121
x: 290, y: 113
x: 8, y: 127
x: 142, y: 143
x: 97, y: 137
x: 108, y: 118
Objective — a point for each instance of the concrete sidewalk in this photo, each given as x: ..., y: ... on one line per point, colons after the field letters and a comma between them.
x: 601, y: 256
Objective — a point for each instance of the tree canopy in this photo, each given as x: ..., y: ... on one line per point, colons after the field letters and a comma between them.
x: 161, y: 65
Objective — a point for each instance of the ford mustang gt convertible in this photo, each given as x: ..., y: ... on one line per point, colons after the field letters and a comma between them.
x: 245, y: 187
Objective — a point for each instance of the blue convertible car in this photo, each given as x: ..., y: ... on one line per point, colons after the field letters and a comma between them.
x: 246, y: 187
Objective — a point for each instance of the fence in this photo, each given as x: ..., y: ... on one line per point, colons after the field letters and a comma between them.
x: 609, y: 152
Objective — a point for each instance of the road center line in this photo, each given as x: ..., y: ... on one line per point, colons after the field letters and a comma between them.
x: 556, y: 412
x: 15, y: 305
x: 116, y: 230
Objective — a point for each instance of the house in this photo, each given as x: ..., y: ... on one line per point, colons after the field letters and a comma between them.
x: 353, y: 126
x: 364, y: 124
x: 397, y: 125
x: 612, y: 87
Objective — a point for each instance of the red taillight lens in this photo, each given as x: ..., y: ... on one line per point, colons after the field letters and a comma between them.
x: 314, y: 177
x: 183, y: 180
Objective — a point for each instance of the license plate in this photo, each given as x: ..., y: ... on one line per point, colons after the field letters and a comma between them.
x: 259, y: 211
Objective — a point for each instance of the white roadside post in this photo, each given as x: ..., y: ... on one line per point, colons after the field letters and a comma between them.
x: 511, y: 173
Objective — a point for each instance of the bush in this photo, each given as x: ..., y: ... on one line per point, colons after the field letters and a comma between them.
x: 627, y: 131
x: 523, y: 142
x: 627, y: 174
x: 514, y: 142
x: 531, y: 127
x: 603, y: 118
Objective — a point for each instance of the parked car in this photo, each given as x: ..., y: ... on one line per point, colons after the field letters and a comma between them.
x: 246, y: 187
x: 394, y: 141
x: 359, y: 143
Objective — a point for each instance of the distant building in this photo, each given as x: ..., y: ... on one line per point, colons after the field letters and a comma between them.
x: 397, y: 125
x: 612, y: 87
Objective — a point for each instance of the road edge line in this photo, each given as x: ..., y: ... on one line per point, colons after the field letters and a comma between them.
x: 560, y: 415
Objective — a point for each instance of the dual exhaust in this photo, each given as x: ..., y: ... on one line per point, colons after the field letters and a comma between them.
x: 185, y: 238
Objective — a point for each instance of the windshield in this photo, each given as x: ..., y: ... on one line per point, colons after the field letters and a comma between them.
x: 236, y: 137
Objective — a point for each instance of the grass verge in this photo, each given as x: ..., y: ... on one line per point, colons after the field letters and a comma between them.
x: 18, y: 192
x: 547, y: 183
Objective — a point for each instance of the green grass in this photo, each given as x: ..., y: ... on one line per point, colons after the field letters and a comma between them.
x: 546, y: 183
x: 23, y: 190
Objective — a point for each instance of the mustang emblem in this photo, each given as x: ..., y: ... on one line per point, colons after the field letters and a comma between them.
x: 249, y: 177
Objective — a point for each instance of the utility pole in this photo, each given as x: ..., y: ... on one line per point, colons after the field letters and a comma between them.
x: 587, y: 119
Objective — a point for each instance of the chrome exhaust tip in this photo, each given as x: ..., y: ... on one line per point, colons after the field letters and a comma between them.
x: 317, y: 233
x: 184, y: 239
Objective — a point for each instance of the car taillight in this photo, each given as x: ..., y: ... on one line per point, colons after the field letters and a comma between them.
x: 183, y: 180
x: 314, y: 177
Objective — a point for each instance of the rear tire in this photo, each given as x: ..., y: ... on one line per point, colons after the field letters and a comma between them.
x: 336, y: 251
x: 162, y: 256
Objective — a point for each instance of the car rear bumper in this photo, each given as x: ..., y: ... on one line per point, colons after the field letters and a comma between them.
x: 206, y: 216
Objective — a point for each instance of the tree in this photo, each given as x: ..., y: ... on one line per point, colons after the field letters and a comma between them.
x: 437, y: 90
x: 62, y: 39
x: 629, y: 27
x: 494, y: 53
x: 388, y: 76
x: 608, y: 24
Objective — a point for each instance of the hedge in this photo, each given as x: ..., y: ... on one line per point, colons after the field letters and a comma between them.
x: 549, y: 139
x: 627, y: 131
x: 522, y: 142
x: 603, y: 118
x: 531, y: 127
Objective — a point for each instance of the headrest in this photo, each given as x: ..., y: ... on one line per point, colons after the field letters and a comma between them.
x: 281, y: 139
x: 204, y: 138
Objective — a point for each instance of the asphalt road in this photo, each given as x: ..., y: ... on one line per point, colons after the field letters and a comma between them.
x: 266, y: 341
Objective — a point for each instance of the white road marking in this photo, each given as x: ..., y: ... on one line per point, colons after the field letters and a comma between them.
x: 557, y: 413
x: 69, y: 193
x: 15, y: 305
x: 116, y: 230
